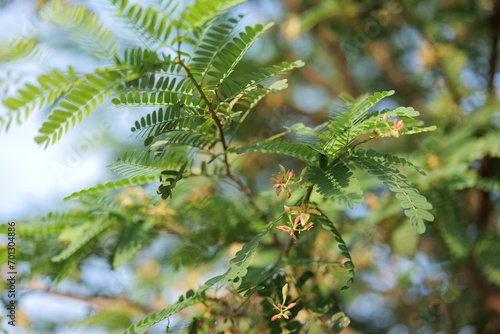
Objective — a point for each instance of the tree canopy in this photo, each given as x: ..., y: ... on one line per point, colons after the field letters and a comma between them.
x: 290, y: 167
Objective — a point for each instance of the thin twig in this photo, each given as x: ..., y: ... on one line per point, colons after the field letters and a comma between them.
x: 243, y: 187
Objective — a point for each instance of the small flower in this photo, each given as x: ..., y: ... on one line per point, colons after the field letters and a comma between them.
x: 283, y: 310
x: 394, y: 130
x: 399, y: 125
x: 283, y: 228
x: 298, y: 221
x: 285, y: 179
x: 308, y: 226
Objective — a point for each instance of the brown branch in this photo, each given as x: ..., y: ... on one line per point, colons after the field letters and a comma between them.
x: 213, y: 114
x: 209, y: 106
x: 485, y: 209
x: 488, y: 292
x: 308, y: 194
x: 97, y: 302
x: 495, y: 31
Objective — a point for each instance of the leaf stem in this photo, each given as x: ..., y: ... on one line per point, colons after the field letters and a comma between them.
x: 243, y: 187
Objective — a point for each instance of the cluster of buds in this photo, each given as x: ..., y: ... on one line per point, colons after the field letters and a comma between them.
x: 285, y: 179
x: 283, y: 310
x: 394, y: 130
x: 298, y: 220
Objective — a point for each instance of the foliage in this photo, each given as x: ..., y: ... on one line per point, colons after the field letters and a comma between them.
x: 191, y: 79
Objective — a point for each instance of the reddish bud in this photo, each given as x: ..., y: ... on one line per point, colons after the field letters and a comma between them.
x: 308, y: 226
x: 291, y: 174
x: 297, y: 220
x: 399, y: 125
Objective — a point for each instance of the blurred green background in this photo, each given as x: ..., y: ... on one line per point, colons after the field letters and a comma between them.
x: 439, y: 56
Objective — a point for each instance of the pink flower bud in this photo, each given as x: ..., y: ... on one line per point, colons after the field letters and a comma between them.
x: 291, y: 305
x: 294, y: 238
x: 277, y: 186
x: 283, y: 228
x: 276, y: 316
x: 308, y: 226
x: 399, y: 125
x: 297, y: 220
x: 291, y: 174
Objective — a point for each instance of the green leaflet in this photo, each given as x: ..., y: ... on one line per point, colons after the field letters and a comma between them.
x: 142, y: 170
x: 170, y: 181
x: 54, y: 223
x: 146, y: 165
x: 240, y: 262
x: 142, y: 61
x: 131, y: 241
x: 142, y: 326
x: 92, y: 231
x: 167, y: 119
x: 71, y: 263
x: 216, y: 38
x: 355, y: 120
x: 349, y: 265
x: 220, y: 51
x: 202, y: 11
x: 86, y: 28
x: 337, y: 182
x: 167, y: 92
x: 392, y: 159
x: 80, y: 101
x: 19, y: 48
x: 415, y: 205
x: 349, y: 124
x: 284, y: 147
x: 112, y: 185
x: 203, y: 141
x: 233, y: 53
x: 233, y: 87
x: 451, y: 224
x: 235, y: 273
x: 51, y: 86
x: 147, y: 22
